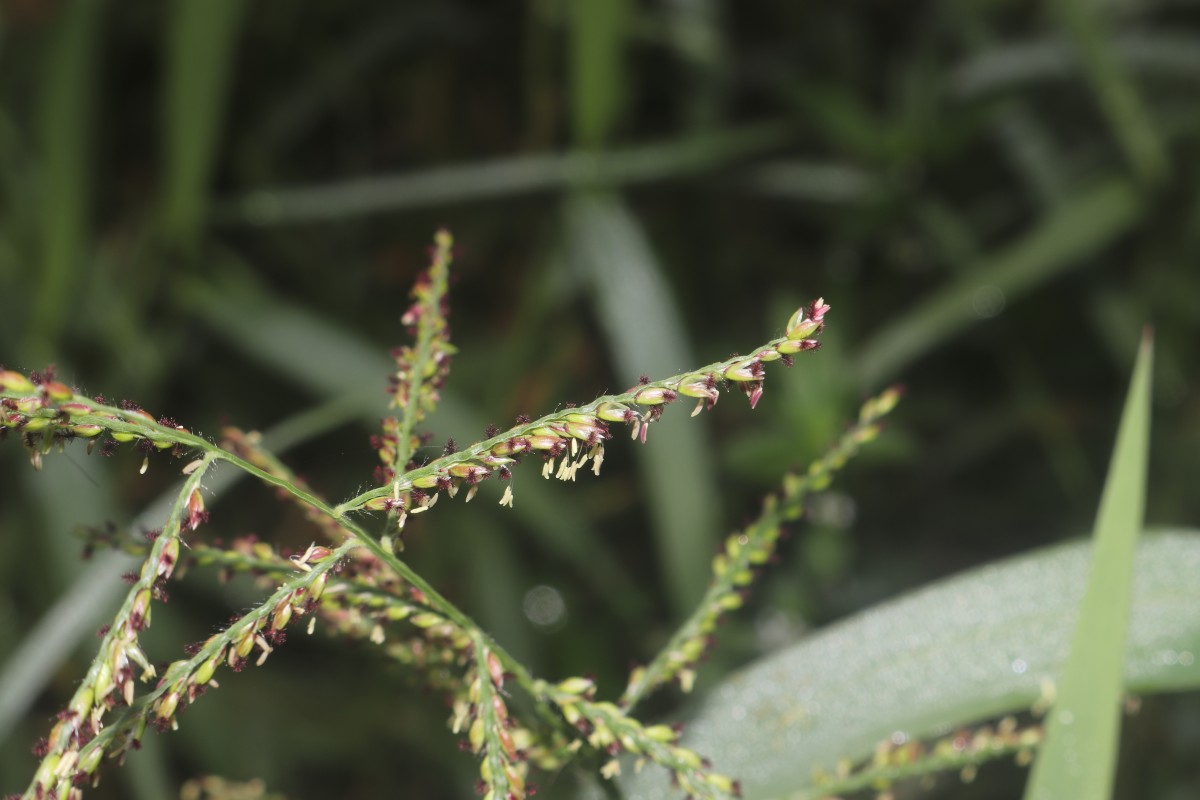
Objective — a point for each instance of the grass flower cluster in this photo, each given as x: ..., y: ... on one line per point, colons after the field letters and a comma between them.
x: 352, y: 583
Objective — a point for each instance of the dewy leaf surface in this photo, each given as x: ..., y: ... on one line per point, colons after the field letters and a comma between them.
x: 967, y: 648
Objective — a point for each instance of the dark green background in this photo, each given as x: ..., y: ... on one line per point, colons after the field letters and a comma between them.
x: 216, y: 208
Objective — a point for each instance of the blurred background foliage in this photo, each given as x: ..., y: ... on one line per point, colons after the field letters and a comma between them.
x: 216, y: 208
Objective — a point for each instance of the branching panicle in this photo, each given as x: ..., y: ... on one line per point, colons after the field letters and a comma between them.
x: 357, y: 586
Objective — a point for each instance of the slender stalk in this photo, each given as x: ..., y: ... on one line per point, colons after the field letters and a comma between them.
x: 747, y: 549
x: 964, y: 751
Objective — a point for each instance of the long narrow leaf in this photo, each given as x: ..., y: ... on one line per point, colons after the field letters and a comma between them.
x: 499, y: 178
x: 1132, y: 126
x: 66, y: 108
x: 199, y: 58
x: 1082, y: 224
x: 597, y: 44
x: 1080, y: 753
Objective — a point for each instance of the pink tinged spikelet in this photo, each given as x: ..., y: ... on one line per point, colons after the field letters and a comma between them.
x: 196, y: 512
x: 654, y: 395
x: 495, y: 670
x: 615, y: 412
x: 586, y: 428
x: 14, y: 382
x: 749, y: 369
x: 167, y: 705
x: 472, y: 473
x: 56, y: 391
x: 702, y: 387
x: 510, y: 447
x: 282, y: 615
x: 803, y: 324
x: 168, y: 558
x: 139, y: 613
x: 549, y: 442
x: 754, y: 392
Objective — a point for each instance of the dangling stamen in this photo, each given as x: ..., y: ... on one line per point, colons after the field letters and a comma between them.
x: 597, y: 459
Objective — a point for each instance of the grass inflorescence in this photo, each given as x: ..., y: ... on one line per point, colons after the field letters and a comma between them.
x: 353, y: 584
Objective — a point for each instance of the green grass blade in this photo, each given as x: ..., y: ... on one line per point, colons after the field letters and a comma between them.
x: 1017, y: 65
x: 1079, y: 756
x: 1078, y: 227
x: 500, y: 178
x: 1116, y: 92
x: 66, y: 110
x: 597, y: 44
x: 812, y: 181
x: 971, y: 647
x: 200, y: 44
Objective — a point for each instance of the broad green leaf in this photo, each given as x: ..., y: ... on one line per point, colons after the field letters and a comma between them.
x: 971, y: 647
x: 1079, y: 756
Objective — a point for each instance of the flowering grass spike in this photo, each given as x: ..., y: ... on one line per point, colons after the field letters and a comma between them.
x: 351, y: 583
